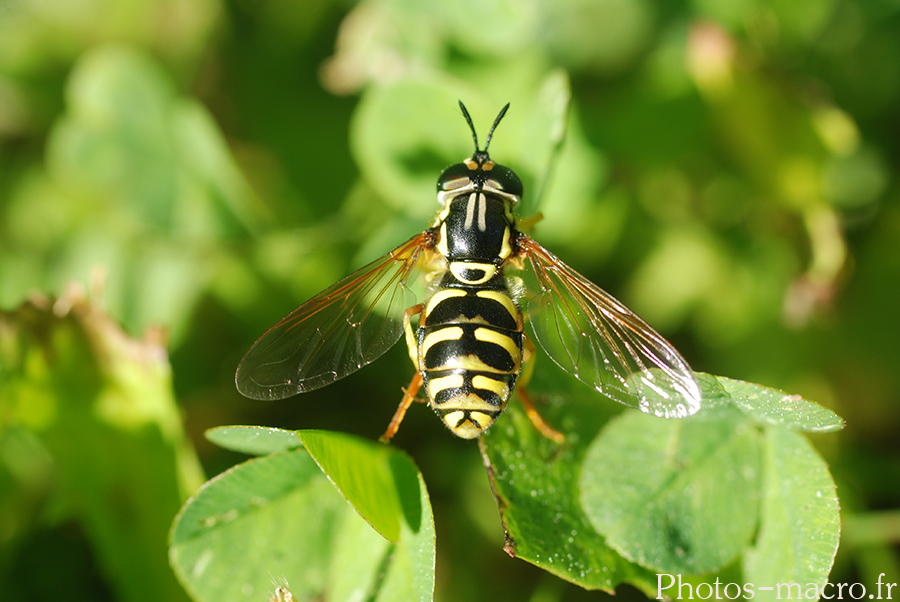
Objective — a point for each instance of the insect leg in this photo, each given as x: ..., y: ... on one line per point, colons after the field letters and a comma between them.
x: 411, y: 342
x: 528, y: 356
x: 409, y: 396
x: 524, y: 224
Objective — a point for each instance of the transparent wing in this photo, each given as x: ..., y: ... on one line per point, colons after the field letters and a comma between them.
x: 335, y: 333
x: 601, y: 342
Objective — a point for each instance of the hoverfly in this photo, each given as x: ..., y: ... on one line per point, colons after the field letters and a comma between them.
x: 469, y: 344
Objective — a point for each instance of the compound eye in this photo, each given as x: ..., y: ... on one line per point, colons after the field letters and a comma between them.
x: 454, y: 177
x: 504, y: 179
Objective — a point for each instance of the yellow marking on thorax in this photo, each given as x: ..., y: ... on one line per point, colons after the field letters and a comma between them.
x: 489, y: 335
x: 503, y: 299
x: 457, y: 268
x: 505, y: 249
x: 445, y: 210
x: 442, y: 240
x: 470, y: 209
x: 482, y: 212
x: 477, y: 203
x: 451, y: 333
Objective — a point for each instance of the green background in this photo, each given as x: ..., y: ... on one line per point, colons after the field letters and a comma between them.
x: 202, y: 167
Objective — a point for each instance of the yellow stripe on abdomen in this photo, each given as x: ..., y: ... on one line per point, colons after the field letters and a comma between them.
x: 489, y: 335
x: 436, y: 385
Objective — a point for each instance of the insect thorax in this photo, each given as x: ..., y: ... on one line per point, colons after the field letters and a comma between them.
x: 473, y: 235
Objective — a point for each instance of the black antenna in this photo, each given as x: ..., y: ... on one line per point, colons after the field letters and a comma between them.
x: 487, y: 142
x: 472, y: 127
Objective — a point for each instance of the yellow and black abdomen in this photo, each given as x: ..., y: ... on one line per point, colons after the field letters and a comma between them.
x: 470, y: 354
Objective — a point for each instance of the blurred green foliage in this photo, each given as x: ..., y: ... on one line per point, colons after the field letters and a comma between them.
x: 204, y: 166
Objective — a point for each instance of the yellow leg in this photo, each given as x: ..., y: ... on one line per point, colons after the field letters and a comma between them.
x: 528, y: 355
x: 411, y: 343
x: 409, y: 396
x: 524, y: 224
